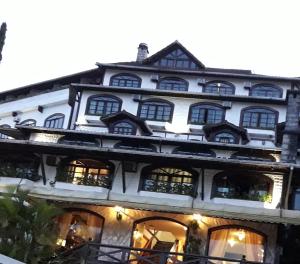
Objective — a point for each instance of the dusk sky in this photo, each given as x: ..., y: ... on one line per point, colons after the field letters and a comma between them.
x: 50, y: 38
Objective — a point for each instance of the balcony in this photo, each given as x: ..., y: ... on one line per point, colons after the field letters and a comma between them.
x: 93, y: 253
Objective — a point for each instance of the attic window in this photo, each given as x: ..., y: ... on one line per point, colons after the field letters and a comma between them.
x: 123, y: 127
x: 176, y: 59
x: 225, y: 137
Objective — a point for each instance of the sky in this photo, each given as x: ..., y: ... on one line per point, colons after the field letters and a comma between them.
x: 51, y: 38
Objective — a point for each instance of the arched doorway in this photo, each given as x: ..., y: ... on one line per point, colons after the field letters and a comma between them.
x: 78, y: 226
x: 235, y: 242
x: 160, y: 233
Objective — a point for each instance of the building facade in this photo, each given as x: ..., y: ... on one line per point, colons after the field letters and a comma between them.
x: 162, y: 154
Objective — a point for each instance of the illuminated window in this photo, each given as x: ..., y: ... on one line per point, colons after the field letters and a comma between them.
x: 201, y: 114
x: 236, y: 242
x: 125, y: 80
x: 55, y: 121
x: 172, y: 84
x: 103, y: 105
x: 86, y: 172
x: 218, y: 87
x: 77, y: 227
x: 169, y: 180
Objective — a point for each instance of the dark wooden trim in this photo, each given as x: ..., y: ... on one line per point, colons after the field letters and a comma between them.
x: 205, y: 104
x: 139, y: 79
x: 259, y: 107
x: 78, y: 108
x: 180, y: 94
x: 172, y: 79
x: 88, y: 101
x: 212, y: 229
x: 219, y: 81
x: 155, y: 100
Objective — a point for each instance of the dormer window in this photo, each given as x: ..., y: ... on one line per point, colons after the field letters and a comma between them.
x: 103, y: 105
x: 226, y: 137
x: 156, y: 110
x: 219, y: 87
x: 123, y: 127
x: 266, y: 90
x: 125, y: 80
x: 172, y: 84
x: 176, y: 59
x: 201, y: 114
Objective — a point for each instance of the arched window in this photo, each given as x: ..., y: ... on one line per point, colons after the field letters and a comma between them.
x: 259, y: 117
x: 201, y: 114
x: 176, y: 59
x: 235, y: 242
x: 55, y: 121
x: 246, y: 186
x: 124, y: 127
x: 135, y: 146
x: 226, y: 137
x: 102, y: 105
x: 173, y: 84
x: 157, y: 110
x: 266, y: 90
x: 194, y: 151
x: 169, y: 180
x: 125, y: 80
x: 3, y: 136
x: 219, y: 87
x: 28, y: 122
x: 86, y: 172
x: 78, y: 226
x: 243, y: 155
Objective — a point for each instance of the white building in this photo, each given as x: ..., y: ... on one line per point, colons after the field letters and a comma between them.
x: 161, y: 153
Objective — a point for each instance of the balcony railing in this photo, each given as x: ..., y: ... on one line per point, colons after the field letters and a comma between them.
x: 92, y: 253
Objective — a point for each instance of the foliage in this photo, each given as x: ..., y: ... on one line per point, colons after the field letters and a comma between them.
x: 3, y: 29
x: 28, y: 232
x: 193, y: 245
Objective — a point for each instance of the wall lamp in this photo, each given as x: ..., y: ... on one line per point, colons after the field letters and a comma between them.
x: 119, y: 211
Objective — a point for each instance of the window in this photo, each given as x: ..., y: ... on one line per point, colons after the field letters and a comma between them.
x: 176, y: 59
x: 253, y: 156
x: 169, y: 180
x: 201, y: 114
x: 245, y: 186
x: 79, y: 142
x: 103, y: 105
x: 123, y: 127
x: 235, y: 242
x: 86, y: 172
x: 219, y: 87
x: 125, y: 80
x: 55, y: 121
x: 78, y: 226
x: 28, y: 122
x: 156, y: 110
x: 266, y: 90
x: 173, y: 84
x: 225, y: 137
x: 194, y: 151
x: 263, y: 118
x: 3, y: 136
x: 135, y: 146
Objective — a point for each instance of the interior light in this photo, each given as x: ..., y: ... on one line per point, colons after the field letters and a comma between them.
x: 119, y: 210
x: 231, y: 242
x: 137, y: 235
x: 197, y: 217
x: 241, y: 234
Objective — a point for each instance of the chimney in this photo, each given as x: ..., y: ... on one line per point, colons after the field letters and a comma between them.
x: 142, y: 52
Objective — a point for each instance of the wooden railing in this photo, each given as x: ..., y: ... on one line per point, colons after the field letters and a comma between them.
x: 93, y: 253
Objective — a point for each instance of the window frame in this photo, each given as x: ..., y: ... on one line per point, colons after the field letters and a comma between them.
x: 221, y: 82
x: 206, y: 104
x: 172, y: 79
x: 56, y: 114
x: 112, y: 126
x: 257, y: 86
x: 180, y: 150
x: 125, y: 74
x: 156, y: 101
x: 90, y: 98
x: 146, y: 171
x: 244, y: 110
x: 28, y: 120
x: 125, y: 145
x: 235, y: 136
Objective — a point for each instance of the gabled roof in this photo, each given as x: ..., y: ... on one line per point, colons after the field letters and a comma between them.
x: 125, y: 115
x: 173, y: 46
x: 213, y: 128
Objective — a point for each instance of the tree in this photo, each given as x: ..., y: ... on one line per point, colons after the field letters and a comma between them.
x: 27, y: 227
x: 2, y: 38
